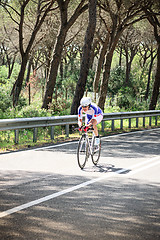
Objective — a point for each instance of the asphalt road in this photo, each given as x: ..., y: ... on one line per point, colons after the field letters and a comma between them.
x: 44, y: 195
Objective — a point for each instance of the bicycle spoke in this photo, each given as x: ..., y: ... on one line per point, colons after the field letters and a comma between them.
x: 87, y: 147
x: 96, y: 150
x: 82, y: 152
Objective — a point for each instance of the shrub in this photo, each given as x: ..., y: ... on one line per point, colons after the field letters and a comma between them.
x: 32, y: 111
x: 60, y: 106
x: 125, y: 97
x: 116, y: 81
x: 5, y: 99
x: 3, y: 74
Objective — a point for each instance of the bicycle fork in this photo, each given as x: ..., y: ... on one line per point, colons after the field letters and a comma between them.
x: 89, y: 144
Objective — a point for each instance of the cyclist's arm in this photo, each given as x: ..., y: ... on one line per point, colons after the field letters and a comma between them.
x: 80, y: 122
x: 80, y: 116
x: 90, y: 123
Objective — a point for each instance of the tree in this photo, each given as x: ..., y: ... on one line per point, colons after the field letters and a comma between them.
x: 121, y: 15
x: 152, y: 13
x: 8, y: 58
x: 80, y: 88
x: 104, y: 44
x: 129, y: 42
x: 18, y: 13
x: 153, y: 54
x: 147, y: 52
x: 8, y: 49
x: 58, y: 48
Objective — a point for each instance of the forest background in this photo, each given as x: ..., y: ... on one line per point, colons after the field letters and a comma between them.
x: 53, y: 52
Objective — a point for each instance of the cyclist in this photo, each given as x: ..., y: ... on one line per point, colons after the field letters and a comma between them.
x: 93, y: 115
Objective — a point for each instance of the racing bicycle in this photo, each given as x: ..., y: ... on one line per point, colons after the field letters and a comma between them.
x: 87, y: 148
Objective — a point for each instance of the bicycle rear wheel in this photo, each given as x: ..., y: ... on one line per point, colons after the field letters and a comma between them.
x: 96, y: 151
x: 82, y: 151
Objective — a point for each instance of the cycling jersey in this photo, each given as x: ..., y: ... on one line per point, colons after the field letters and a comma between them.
x: 94, y: 112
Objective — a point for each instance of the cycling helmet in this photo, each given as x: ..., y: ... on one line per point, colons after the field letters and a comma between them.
x: 85, y: 101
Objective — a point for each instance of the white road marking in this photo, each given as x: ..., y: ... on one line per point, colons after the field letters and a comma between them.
x: 135, y: 132
x: 145, y: 167
x: 57, y: 145
x: 84, y: 184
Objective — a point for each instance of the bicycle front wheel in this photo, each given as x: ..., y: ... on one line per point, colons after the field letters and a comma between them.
x: 96, y: 151
x: 82, y: 151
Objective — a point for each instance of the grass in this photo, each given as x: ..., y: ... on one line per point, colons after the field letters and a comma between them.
x: 7, y: 138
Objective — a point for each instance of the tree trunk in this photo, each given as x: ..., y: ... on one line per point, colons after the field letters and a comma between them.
x: 80, y: 88
x: 11, y: 66
x: 108, y: 60
x: 28, y: 71
x: 149, y: 76
x: 129, y: 63
x: 54, y: 68
x: 127, y: 68
x: 105, y: 80
x: 18, y: 84
x: 156, y: 86
x: 99, y: 66
x: 120, y: 57
x: 93, y: 54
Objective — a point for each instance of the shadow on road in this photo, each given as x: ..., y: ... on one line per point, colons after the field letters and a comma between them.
x: 121, y: 146
x: 105, y: 168
x: 126, y: 209
x: 113, y: 209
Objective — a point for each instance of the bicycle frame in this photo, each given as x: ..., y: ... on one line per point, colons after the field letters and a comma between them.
x: 90, y: 143
x: 86, y: 148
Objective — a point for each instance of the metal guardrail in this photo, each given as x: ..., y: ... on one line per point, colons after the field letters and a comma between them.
x: 129, y: 115
x: 36, y: 122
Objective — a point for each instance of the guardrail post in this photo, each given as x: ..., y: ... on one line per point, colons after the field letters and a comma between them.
x: 67, y: 130
x: 129, y: 123
x: 144, y: 121
x: 52, y: 132
x: 150, y: 121
x: 156, y: 120
x: 137, y: 122
x: 35, y: 131
x: 102, y: 126
x: 112, y: 125
x: 16, y: 136
x: 121, y: 123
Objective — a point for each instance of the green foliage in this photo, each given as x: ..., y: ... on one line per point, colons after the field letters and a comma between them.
x: 32, y: 111
x: 15, y: 71
x: 130, y: 102
x: 130, y: 98
x: 5, y: 99
x: 67, y: 85
x: 124, y: 97
x: 90, y: 79
x: 60, y: 106
x: 5, y: 90
x: 116, y: 81
x: 3, y: 74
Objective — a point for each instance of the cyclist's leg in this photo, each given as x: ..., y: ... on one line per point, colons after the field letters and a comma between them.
x: 95, y: 122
